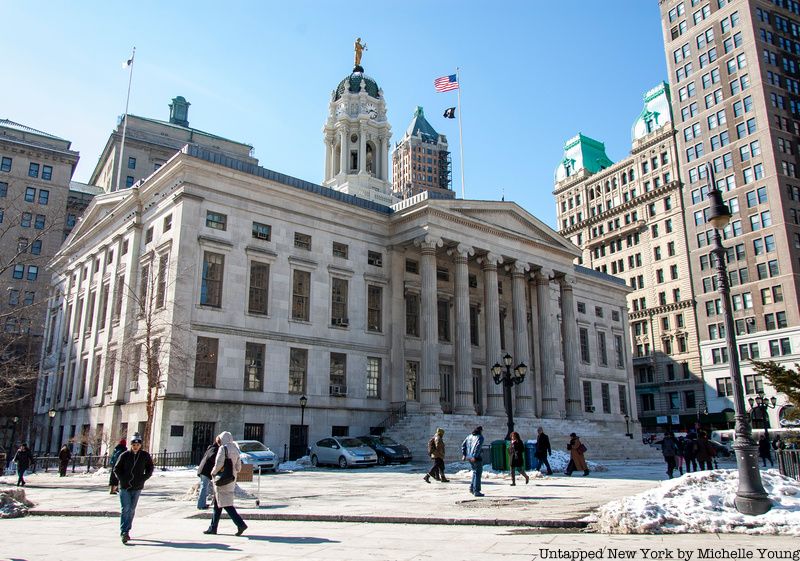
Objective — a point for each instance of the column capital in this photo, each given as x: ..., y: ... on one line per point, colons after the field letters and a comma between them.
x: 542, y: 276
x: 461, y: 251
x: 566, y: 281
x: 518, y: 268
x: 490, y: 260
x: 428, y: 242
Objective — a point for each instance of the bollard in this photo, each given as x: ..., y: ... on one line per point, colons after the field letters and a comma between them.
x: 74, y: 462
x: 164, y: 461
x: 285, y: 448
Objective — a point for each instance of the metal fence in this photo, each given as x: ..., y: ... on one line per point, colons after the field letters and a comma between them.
x: 789, y: 463
x: 162, y: 460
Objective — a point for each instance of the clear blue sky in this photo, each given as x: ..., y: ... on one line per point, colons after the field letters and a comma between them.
x: 533, y: 74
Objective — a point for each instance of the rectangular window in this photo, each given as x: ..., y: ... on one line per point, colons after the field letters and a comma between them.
x: 44, y: 196
x: 587, y: 397
x: 412, y: 315
x: 33, y: 170
x: 298, y: 364
x: 33, y: 272
x: 340, y: 250
x: 584, y: 339
x: 302, y: 241
x: 474, y: 335
x: 5, y: 164
x: 724, y: 387
x: 619, y: 351
x: 254, y: 367
x: 374, y: 308
x: 216, y: 220
x: 39, y: 223
x: 605, y: 394
x: 26, y: 220
x: 301, y: 291
x: 262, y: 231
x: 375, y: 258
x: 161, y: 280
x: 373, y: 377
x: 205, y: 366
x: 129, y: 181
x: 30, y: 194
x: 443, y: 313
x: 601, y: 348
x: 622, y: 391
x: 258, y: 295
x: 131, y: 162
x: 213, y: 272
x: 338, y: 374
x: 339, y: 296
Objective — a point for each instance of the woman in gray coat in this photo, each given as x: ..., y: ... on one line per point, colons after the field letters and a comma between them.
x: 224, y: 494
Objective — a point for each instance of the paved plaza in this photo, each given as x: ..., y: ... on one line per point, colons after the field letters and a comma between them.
x: 76, y: 518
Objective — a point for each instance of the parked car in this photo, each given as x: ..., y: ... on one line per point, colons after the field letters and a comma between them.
x: 342, y: 451
x: 388, y: 450
x: 256, y: 454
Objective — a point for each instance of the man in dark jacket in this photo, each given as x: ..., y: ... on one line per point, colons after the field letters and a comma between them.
x: 23, y: 458
x: 204, y: 473
x: 64, y: 456
x: 669, y: 449
x: 543, y: 449
x: 133, y: 468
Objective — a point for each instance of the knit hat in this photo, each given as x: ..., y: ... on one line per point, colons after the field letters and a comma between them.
x: 440, y: 431
x: 123, y: 442
x: 136, y: 438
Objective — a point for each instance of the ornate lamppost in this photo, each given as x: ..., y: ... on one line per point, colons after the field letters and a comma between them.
x: 628, y: 432
x: 759, y: 409
x: 509, y: 379
x: 303, y: 402
x: 751, y: 498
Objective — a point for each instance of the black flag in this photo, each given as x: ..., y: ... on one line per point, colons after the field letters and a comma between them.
x: 450, y: 113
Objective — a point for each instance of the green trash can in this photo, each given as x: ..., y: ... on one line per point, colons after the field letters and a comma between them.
x: 499, y: 455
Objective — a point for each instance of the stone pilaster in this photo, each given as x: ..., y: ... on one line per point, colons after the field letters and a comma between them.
x: 524, y: 391
x: 547, y: 348
x: 344, y: 164
x: 463, y: 347
x: 362, y: 150
x: 429, y: 364
x: 494, y: 393
x: 569, y: 334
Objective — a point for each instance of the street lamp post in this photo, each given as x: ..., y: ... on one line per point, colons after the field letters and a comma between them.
x: 303, y: 402
x: 751, y: 498
x: 51, y: 414
x: 759, y: 408
x: 628, y: 432
x: 509, y: 379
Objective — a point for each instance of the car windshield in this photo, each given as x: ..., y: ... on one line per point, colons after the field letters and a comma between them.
x: 252, y: 446
x: 351, y: 442
x: 386, y: 441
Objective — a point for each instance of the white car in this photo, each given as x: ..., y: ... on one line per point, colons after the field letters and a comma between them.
x: 257, y: 455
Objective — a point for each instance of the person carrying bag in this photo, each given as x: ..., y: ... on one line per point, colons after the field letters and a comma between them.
x: 226, y: 466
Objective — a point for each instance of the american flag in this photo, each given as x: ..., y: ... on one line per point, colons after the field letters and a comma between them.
x: 446, y: 83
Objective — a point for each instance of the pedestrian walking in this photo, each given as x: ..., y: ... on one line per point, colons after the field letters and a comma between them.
x: 204, y: 473
x: 113, y: 482
x: 765, y: 450
x: 64, y: 456
x: 576, y: 455
x: 516, y: 455
x: 543, y: 449
x: 690, y: 452
x: 23, y: 458
x: 436, y: 452
x: 133, y: 468
x: 471, y: 450
x: 669, y: 449
x: 226, y: 466
x: 705, y: 452
x: 679, y: 446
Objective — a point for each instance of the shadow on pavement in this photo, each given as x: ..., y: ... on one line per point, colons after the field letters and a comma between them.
x: 181, y: 545
x: 291, y: 539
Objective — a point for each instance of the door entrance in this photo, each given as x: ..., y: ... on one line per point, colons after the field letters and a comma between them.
x: 298, y: 441
x: 202, y: 437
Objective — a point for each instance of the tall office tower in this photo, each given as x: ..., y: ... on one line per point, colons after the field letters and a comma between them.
x: 627, y: 218
x: 149, y: 143
x: 734, y: 67
x: 421, y: 161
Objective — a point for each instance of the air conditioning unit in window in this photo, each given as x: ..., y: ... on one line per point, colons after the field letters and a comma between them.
x: 341, y: 322
x: 378, y: 262
x: 261, y: 235
x: 133, y: 385
x: 338, y: 391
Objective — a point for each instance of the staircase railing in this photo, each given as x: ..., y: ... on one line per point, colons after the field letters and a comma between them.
x: 396, y: 413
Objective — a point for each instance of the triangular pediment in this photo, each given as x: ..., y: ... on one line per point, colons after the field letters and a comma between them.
x: 99, y: 209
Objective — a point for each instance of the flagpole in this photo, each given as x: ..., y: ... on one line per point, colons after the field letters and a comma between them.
x: 125, y: 118
x: 460, y: 136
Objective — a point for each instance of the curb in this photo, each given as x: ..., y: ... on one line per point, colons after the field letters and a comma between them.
x: 558, y: 523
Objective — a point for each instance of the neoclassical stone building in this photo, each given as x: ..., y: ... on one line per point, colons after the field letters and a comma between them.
x: 251, y: 289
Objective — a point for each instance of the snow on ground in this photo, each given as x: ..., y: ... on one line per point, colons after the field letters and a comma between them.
x: 13, y: 503
x: 703, y: 502
x: 296, y: 465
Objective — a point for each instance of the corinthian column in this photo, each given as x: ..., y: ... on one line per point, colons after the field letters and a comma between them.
x: 546, y: 347
x: 524, y: 391
x: 429, y: 364
x: 463, y: 347
x: 343, y: 156
x: 570, y: 336
x: 362, y: 150
x: 494, y: 393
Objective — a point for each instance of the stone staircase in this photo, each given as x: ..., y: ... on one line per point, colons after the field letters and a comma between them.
x: 604, y: 440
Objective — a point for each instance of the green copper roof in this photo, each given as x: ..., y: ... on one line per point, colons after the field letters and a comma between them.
x: 421, y: 127
x: 582, y: 152
x: 656, y: 113
x: 352, y: 83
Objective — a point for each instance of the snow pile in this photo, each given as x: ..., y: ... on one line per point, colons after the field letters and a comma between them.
x: 13, y: 503
x: 703, y: 502
x: 296, y: 465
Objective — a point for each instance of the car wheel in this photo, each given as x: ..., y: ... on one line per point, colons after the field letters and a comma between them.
x: 314, y: 461
x: 382, y: 460
x: 342, y: 462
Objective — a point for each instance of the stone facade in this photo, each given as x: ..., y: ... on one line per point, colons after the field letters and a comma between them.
x: 628, y: 219
x: 731, y: 68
